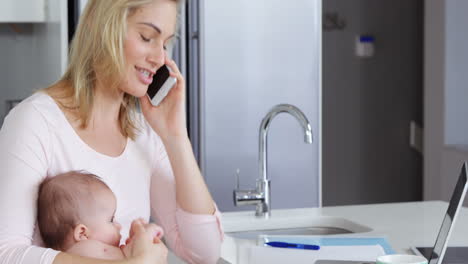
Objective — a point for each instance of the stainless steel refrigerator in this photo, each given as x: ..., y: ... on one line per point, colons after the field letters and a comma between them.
x: 242, y: 58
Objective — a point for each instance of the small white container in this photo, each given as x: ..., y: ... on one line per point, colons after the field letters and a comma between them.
x: 365, y: 46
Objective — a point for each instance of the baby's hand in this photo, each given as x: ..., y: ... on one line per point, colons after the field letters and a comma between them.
x: 155, y: 231
x: 142, y: 247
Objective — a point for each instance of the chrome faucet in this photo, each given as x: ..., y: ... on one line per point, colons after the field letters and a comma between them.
x: 261, y: 195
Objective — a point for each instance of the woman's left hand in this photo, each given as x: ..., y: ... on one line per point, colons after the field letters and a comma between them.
x: 168, y: 118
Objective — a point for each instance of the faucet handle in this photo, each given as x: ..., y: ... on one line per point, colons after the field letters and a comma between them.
x: 246, y: 197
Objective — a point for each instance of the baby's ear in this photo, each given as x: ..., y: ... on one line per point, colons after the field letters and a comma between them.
x: 81, y: 232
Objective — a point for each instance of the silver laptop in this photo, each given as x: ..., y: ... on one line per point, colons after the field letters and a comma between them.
x: 436, y: 254
x: 456, y: 255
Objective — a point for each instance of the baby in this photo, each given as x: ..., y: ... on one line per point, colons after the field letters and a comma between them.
x: 76, y: 215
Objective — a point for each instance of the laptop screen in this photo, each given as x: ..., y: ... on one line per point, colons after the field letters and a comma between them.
x: 452, y: 211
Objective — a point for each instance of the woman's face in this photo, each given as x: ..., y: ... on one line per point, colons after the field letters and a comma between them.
x: 149, y: 30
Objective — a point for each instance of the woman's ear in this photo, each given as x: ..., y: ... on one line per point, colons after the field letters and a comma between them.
x: 81, y: 232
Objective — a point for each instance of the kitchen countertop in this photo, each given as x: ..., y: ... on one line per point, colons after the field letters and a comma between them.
x: 403, y: 224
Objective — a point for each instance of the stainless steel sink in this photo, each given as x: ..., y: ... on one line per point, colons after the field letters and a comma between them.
x: 291, y: 231
x: 243, y: 230
x: 315, y: 225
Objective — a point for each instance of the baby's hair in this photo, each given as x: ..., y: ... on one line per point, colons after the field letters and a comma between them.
x: 59, y: 204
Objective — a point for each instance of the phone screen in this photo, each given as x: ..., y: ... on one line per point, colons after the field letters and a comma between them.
x: 159, y: 78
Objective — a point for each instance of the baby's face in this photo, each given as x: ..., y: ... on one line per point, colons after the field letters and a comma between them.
x: 101, y: 223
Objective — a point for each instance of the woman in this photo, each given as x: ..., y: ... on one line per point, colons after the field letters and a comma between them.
x: 89, y: 121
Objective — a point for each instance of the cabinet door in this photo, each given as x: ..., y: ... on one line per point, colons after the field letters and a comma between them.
x: 257, y: 54
x: 22, y: 11
x: 35, y: 57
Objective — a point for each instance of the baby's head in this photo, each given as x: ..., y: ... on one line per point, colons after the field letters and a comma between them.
x: 76, y: 206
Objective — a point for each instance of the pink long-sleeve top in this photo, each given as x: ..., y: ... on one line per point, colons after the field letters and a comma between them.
x: 37, y: 141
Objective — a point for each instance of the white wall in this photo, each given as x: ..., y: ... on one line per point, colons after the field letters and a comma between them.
x: 451, y: 163
x: 446, y: 94
x: 434, y: 80
x: 456, y: 77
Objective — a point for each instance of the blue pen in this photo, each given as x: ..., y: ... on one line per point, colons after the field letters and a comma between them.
x: 292, y: 245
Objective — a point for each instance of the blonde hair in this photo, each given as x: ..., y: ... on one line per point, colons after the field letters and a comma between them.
x: 98, y: 46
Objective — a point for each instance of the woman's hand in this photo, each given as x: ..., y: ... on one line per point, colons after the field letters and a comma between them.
x: 152, y: 229
x: 143, y: 245
x: 168, y: 118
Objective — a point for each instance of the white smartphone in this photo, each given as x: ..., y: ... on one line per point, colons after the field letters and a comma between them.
x: 161, y: 85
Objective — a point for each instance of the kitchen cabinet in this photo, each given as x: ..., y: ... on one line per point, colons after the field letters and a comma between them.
x: 33, y: 55
x: 22, y: 11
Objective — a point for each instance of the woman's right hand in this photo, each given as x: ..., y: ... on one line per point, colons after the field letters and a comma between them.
x: 143, y: 246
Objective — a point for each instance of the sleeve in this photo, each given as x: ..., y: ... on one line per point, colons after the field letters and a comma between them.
x: 24, y: 143
x: 195, y: 238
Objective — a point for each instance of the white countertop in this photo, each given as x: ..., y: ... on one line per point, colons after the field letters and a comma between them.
x: 403, y: 224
